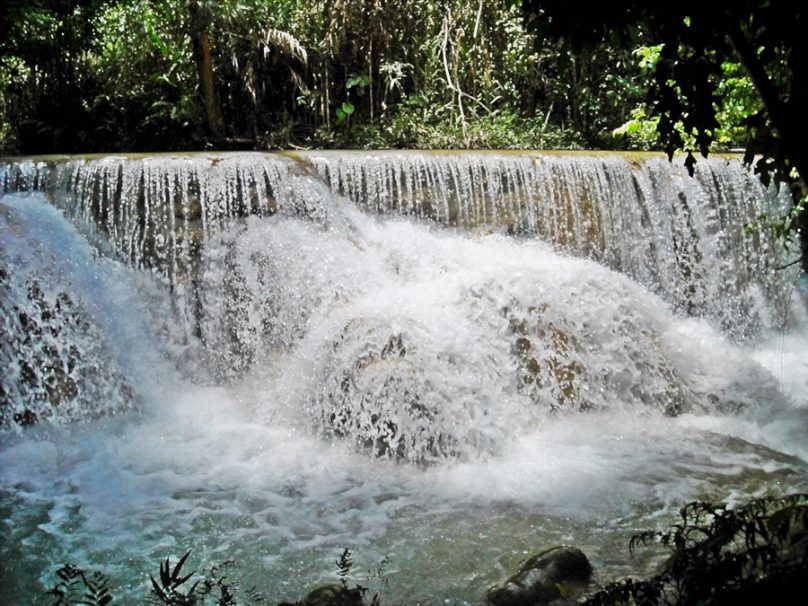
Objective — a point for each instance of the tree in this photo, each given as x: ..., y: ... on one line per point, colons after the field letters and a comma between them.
x: 767, y: 37
x: 198, y: 28
x: 45, y: 72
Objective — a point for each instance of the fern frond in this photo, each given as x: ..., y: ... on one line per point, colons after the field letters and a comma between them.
x: 344, y: 565
x: 80, y: 588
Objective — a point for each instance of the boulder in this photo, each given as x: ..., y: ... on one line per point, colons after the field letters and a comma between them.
x: 334, y: 594
x: 557, y: 573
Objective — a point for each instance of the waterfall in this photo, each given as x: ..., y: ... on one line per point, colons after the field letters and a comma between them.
x: 684, y: 238
x: 71, y: 340
x: 442, y: 357
x: 156, y: 212
x: 249, y: 291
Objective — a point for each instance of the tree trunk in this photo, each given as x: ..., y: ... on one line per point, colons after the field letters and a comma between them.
x: 204, y: 68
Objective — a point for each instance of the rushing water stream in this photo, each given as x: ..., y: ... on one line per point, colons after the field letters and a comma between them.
x: 450, y: 361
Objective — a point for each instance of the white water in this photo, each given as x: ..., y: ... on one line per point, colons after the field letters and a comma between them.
x: 432, y: 330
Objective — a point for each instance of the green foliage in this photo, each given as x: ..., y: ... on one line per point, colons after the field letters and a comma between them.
x: 648, y: 57
x: 361, y: 81
x: 344, y: 112
x: 718, y: 73
x: 346, y: 595
x: 46, y: 70
x: 753, y: 554
x: 145, y: 69
x: 120, y: 75
x: 640, y: 130
x: 78, y: 587
x: 739, y: 101
x: 419, y: 124
x: 735, y: 102
x: 286, y: 73
x: 214, y: 588
x: 217, y: 587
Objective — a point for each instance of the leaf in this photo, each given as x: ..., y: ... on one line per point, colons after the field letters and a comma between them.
x: 286, y: 43
x: 79, y: 587
x: 158, y: 42
x: 417, y: 100
x: 780, y: 520
x: 341, y: 117
x: 175, y: 574
x: 360, y: 80
x: 168, y: 589
x: 347, y: 108
x: 690, y: 164
x: 344, y: 564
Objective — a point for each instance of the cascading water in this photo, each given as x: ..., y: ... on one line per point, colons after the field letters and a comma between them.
x: 678, y: 236
x: 294, y: 376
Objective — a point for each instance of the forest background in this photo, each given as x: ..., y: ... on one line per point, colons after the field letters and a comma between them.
x: 146, y: 75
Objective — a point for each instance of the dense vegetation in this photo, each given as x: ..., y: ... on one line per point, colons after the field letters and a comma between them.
x: 756, y: 553
x: 712, y: 66
x: 111, y: 75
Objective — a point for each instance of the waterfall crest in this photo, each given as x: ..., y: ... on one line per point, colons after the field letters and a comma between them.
x: 684, y: 238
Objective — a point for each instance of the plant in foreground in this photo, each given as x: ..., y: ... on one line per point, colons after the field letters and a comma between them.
x: 78, y: 586
x: 213, y: 588
x: 169, y: 590
x: 754, y: 554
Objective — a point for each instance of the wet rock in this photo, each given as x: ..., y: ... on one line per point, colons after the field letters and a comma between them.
x: 334, y: 594
x: 555, y: 574
x: 562, y: 365
x: 548, y: 360
x: 54, y: 362
x: 25, y: 418
x: 376, y: 395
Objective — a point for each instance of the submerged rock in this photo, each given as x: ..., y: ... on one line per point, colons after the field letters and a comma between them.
x: 557, y: 573
x: 334, y: 594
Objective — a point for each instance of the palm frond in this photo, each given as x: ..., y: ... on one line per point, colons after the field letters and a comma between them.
x: 285, y: 43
